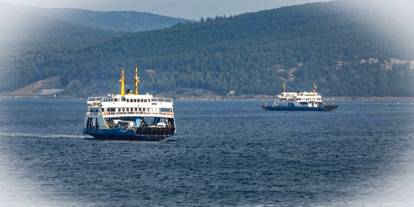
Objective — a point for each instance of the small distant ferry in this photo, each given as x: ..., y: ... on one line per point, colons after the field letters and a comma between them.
x: 299, y: 101
x: 130, y: 115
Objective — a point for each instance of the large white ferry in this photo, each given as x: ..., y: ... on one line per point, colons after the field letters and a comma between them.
x: 299, y: 101
x: 130, y: 116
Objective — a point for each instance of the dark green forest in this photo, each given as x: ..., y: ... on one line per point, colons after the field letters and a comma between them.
x: 251, y: 53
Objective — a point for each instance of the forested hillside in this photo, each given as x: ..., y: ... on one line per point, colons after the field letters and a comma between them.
x: 125, y: 21
x: 250, y: 53
x: 28, y: 38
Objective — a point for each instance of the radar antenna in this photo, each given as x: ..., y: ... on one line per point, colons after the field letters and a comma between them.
x: 315, y: 87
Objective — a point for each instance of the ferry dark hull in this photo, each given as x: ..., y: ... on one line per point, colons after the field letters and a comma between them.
x: 146, y: 135
x: 285, y: 108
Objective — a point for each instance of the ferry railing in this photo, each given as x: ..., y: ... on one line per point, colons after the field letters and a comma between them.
x: 168, y: 100
x: 109, y: 99
x: 130, y: 113
x: 95, y: 99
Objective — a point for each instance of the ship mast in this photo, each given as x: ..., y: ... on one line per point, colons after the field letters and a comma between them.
x: 122, y: 82
x: 284, y: 87
x: 315, y: 87
x: 136, y: 81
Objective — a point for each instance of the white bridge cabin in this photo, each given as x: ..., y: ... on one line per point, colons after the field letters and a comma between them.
x: 300, y: 97
x: 131, y: 105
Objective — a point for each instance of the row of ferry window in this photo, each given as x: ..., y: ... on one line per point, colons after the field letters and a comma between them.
x: 125, y: 109
x: 309, y: 99
x: 128, y: 110
x: 123, y: 99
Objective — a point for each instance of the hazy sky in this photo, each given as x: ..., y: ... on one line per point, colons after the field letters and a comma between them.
x: 193, y: 9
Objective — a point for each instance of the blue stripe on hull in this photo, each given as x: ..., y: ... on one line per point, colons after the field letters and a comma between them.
x: 119, y: 134
x: 281, y: 108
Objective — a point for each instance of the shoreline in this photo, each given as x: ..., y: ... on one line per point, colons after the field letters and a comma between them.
x: 267, y: 98
x: 235, y: 98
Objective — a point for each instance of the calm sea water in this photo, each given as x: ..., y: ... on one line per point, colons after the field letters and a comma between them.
x: 227, y: 153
